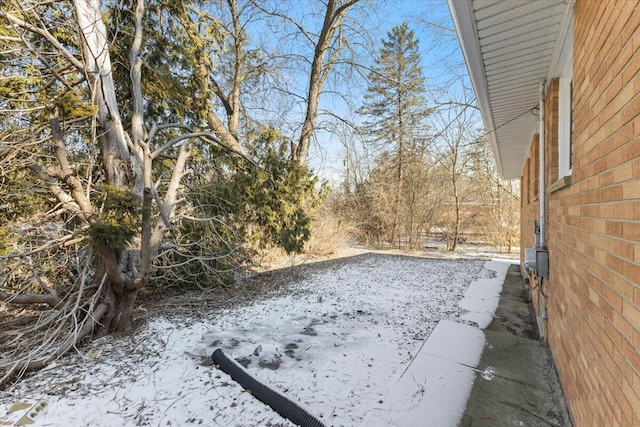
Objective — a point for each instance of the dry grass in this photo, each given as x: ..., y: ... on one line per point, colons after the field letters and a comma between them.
x: 330, y: 232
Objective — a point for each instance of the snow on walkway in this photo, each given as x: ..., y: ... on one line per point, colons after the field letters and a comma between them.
x: 434, y: 388
x: 336, y: 344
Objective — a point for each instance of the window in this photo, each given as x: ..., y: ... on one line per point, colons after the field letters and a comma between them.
x: 565, y: 122
x: 536, y: 167
x: 564, y: 127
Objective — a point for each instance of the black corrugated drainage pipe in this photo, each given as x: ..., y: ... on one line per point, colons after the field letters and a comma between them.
x: 282, y: 405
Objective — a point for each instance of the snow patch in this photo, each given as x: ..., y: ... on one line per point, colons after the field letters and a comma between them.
x: 435, y: 388
x: 334, y: 345
x: 483, y: 295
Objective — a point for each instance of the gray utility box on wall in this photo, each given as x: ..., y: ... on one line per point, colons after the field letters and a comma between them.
x: 537, y: 261
x: 542, y: 262
x: 530, y: 259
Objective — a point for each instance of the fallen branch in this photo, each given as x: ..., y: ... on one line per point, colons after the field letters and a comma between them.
x: 50, y: 299
x: 26, y: 363
x: 52, y: 333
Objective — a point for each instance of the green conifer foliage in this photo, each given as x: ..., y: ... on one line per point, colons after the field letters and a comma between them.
x: 278, y: 195
x: 270, y: 202
x: 120, y: 218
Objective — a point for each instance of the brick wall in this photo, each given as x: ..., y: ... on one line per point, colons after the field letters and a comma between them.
x: 593, y: 224
x: 530, y: 206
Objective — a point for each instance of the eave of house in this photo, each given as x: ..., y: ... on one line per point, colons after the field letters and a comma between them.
x: 510, y: 47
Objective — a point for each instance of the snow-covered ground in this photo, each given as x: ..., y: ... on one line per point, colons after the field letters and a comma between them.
x: 336, y: 343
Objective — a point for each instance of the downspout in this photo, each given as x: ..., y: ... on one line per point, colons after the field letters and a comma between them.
x: 542, y: 303
x: 542, y: 195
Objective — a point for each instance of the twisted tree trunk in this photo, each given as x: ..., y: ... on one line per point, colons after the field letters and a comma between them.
x: 122, y: 167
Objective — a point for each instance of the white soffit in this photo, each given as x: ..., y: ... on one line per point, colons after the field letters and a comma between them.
x: 508, y: 46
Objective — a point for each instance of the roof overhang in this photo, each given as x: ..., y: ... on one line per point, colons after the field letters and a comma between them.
x: 511, y: 47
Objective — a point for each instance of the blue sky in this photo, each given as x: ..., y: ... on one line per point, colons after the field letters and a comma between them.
x: 442, y: 63
x: 367, y: 23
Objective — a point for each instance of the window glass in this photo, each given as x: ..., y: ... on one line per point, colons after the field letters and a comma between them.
x: 564, y: 128
x: 565, y: 124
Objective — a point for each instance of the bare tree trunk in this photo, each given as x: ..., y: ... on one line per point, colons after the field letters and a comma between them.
x: 411, y: 209
x: 227, y: 135
x: 112, y: 139
x: 333, y: 18
x: 456, y: 196
x: 120, y: 168
x: 456, y: 224
x: 233, y: 116
x: 400, y: 168
x: 396, y: 203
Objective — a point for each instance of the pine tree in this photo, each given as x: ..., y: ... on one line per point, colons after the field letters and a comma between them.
x: 395, y: 106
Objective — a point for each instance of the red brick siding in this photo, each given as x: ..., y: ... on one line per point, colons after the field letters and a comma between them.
x: 530, y: 209
x: 593, y: 225
x: 529, y: 200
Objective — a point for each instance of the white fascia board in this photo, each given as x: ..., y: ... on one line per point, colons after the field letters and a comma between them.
x: 465, y: 24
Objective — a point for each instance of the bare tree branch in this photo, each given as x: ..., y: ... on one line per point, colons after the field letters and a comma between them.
x: 68, y: 176
x: 50, y: 299
x: 319, y: 71
x: 47, y: 35
x: 52, y: 183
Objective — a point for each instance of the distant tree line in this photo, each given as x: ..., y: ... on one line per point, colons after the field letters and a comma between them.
x: 405, y: 181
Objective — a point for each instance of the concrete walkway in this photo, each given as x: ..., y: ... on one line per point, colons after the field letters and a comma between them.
x: 516, y: 382
x: 495, y: 373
